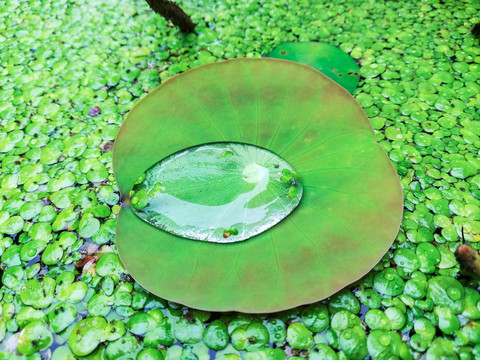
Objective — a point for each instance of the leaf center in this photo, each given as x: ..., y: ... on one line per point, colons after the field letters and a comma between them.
x: 254, y: 173
x: 221, y: 192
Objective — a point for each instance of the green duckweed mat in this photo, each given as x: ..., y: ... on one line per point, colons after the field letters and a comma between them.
x: 70, y: 71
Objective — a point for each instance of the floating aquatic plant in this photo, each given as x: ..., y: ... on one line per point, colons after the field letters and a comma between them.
x: 252, y: 134
x: 328, y: 59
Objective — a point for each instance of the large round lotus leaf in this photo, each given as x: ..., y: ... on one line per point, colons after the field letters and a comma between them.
x: 346, y: 220
x: 328, y: 59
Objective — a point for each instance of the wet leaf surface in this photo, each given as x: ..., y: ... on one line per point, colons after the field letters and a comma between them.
x: 221, y: 192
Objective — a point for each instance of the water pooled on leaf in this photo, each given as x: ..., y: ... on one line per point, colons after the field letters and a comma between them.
x: 221, y: 192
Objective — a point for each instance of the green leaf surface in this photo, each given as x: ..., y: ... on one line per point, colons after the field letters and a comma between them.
x: 348, y: 216
x: 328, y: 59
x: 230, y: 192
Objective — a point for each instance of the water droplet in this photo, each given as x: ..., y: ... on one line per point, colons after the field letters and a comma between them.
x: 180, y: 194
x: 384, y: 340
x: 454, y: 293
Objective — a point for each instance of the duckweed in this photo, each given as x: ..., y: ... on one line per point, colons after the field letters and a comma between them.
x: 161, y: 334
x: 114, y: 330
x: 266, y: 353
x: 386, y: 344
x: 100, y: 305
x: 276, y: 329
x: 33, y: 338
x: 127, y: 345
x: 322, y: 352
x: 188, y: 330
x: 441, y: 348
x: 86, y: 335
x: 140, y: 323
x: 38, y: 292
x: 353, y: 342
x: 299, y: 337
x: 109, y: 264
x: 150, y: 354
x: 388, y: 282
x: 446, y: 291
x: 61, y: 107
x: 61, y: 316
x: 215, y: 335
x: 239, y: 338
x: 377, y: 319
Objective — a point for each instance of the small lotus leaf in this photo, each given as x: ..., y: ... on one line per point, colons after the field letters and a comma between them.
x: 348, y: 216
x: 328, y: 59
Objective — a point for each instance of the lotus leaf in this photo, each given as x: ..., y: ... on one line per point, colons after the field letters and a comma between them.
x: 345, y: 222
x: 328, y: 59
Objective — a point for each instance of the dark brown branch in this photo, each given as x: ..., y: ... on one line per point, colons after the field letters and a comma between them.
x: 171, y: 11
